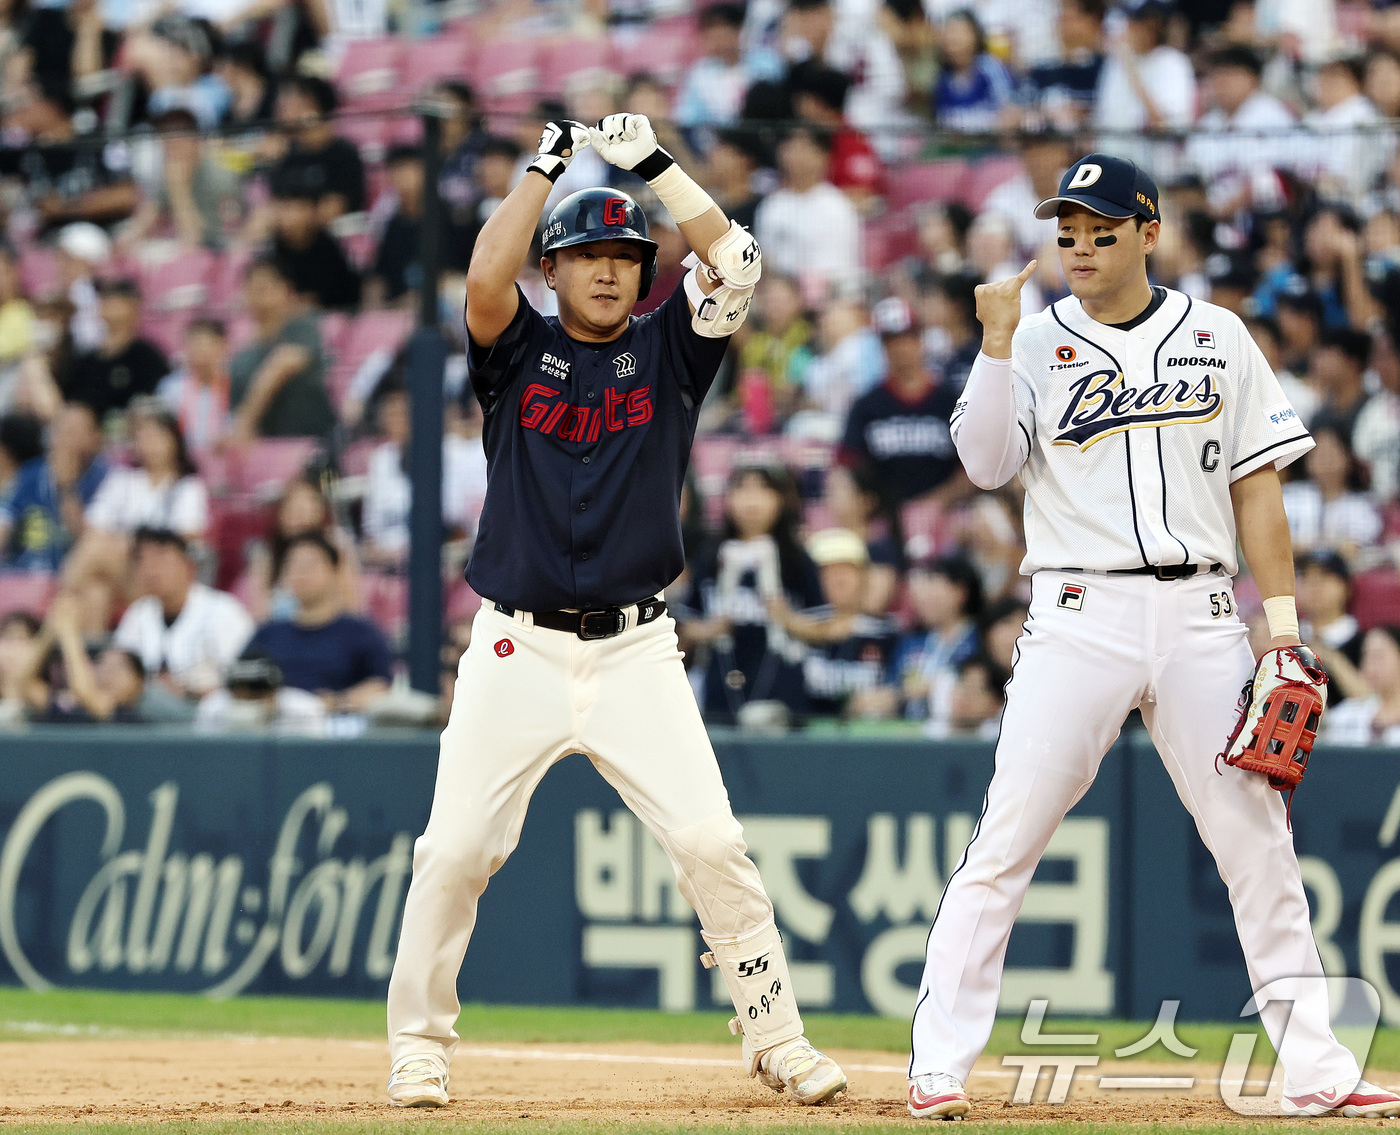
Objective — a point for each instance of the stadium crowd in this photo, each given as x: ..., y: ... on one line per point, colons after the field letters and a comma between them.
x: 212, y: 216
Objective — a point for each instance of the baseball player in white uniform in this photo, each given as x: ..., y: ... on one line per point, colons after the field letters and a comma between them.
x: 1148, y: 432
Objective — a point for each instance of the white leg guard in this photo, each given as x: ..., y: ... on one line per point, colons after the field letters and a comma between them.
x: 755, y: 972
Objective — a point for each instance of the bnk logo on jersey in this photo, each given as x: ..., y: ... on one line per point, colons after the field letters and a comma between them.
x: 1102, y: 403
x: 753, y: 966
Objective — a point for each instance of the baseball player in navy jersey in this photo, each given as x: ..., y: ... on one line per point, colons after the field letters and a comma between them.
x: 589, y: 419
x: 1148, y: 432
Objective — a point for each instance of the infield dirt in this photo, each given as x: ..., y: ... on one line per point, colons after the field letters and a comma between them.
x: 277, y: 1079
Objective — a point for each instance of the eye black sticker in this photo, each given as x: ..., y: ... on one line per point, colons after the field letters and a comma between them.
x: 1105, y: 241
x: 1066, y: 242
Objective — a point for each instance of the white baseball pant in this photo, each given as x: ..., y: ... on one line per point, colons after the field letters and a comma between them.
x: 526, y: 697
x: 1133, y: 641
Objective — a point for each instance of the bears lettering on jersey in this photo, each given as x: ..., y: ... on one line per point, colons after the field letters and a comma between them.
x: 1102, y: 403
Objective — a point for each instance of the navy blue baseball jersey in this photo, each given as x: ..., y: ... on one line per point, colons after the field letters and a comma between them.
x: 907, y: 444
x: 586, y: 449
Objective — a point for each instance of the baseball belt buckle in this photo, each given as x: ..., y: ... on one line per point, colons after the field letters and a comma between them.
x: 609, y: 621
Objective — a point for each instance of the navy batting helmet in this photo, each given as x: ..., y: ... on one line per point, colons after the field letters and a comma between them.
x: 601, y: 214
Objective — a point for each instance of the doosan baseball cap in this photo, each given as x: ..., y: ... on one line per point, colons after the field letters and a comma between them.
x: 1111, y: 187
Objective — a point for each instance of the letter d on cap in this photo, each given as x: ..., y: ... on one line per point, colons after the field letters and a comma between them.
x: 1086, y: 174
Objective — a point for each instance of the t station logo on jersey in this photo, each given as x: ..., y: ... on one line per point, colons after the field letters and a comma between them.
x: 1102, y: 403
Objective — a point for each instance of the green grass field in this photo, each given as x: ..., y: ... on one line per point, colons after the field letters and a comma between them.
x: 26, y: 1016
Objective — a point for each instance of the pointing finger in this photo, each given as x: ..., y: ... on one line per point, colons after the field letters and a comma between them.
x: 1026, y: 272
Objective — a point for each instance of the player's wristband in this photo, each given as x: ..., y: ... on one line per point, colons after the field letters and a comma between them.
x: 1282, y: 613
x: 676, y: 189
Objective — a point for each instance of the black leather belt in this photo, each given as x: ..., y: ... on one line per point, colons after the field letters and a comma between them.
x: 602, y: 622
x: 1169, y: 571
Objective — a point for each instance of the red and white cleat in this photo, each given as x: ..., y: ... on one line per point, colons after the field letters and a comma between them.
x: 938, y: 1095
x: 1364, y: 1101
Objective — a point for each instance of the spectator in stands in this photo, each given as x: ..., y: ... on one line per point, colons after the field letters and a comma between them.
x: 991, y: 251
x: 16, y: 326
x: 389, y: 493
x: 1300, y: 326
x: 1375, y: 436
x: 83, y: 250
x: 198, y: 392
x: 773, y: 359
x: 1381, y: 81
x: 712, y: 92
x: 735, y: 156
x: 1062, y: 93
x: 1242, y: 134
x: 954, y: 335
x: 1145, y: 85
x: 254, y: 697
x: 302, y: 508
x: 493, y: 174
x: 1350, y: 155
x: 1044, y: 158
x: 854, y: 501
x: 125, y: 366
x: 975, y: 92
x: 852, y: 42
x: 111, y: 688
x: 850, y: 362
x: 1324, y: 601
x: 1335, y: 257
x: 1330, y: 509
x: 756, y: 557
x: 464, y: 135
x: 975, y: 703
x: 808, y: 228
x: 21, y: 440
x: 915, y: 41
x: 21, y: 688
x: 946, y: 595
x: 899, y: 430
x: 819, y: 96
x: 276, y: 383
x: 311, y: 258
x: 318, y: 160
x: 1269, y: 339
x: 61, y: 43
x: 195, y: 193
x: 64, y: 179
x: 174, y: 58
x: 1002, y: 624
x: 253, y: 97
x: 184, y: 632
x: 41, y: 517
x: 395, y: 273
x: 942, y: 242
x: 849, y: 650
x: 341, y: 658
x: 1373, y: 720
x: 1338, y: 375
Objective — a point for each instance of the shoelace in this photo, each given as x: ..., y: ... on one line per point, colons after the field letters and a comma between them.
x: 936, y: 1084
x: 800, y: 1060
x: 416, y: 1071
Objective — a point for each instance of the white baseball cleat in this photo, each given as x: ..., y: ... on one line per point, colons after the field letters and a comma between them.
x: 938, y: 1095
x: 810, y: 1075
x: 1362, y: 1101
x: 419, y: 1081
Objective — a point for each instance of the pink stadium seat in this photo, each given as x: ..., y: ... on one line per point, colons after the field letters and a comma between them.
x: 368, y: 76
x: 986, y: 175
x: 566, y: 64
x: 167, y: 329
x: 354, y: 462
x: 226, y: 280
x: 429, y: 60
x: 665, y: 49
x: 462, y: 603
x: 386, y: 603
x: 1375, y: 598
x: 270, y: 463
x: 887, y: 239
x: 370, y: 135
x: 178, y: 284
x: 334, y: 325
x: 38, y: 269
x: 27, y: 591
x: 371, y: 330
x: 507, y: 76
x: 234, y: 522
x: 926, y: 181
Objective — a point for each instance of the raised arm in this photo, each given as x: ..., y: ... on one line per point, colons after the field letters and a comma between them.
x: 505, y: 238
x: 986, y: 431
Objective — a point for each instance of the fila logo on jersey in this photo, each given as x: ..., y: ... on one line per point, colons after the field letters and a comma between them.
x: 626, y: 364
x: 620, y: 409
x: 1071, y: 596
x: 555, y: 367
x: 1205, y: 340
x: 504, y: 648
x: 1102, y: 404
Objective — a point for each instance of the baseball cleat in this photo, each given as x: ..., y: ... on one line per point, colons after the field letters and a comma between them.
x: 1364, y: 1101
x: 418, y: 1082
x: 811, y: 1076
x: 938, y: 1095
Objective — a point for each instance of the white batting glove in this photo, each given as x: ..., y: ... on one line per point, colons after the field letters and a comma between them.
x: 560, y: 143
x: 629, y: 142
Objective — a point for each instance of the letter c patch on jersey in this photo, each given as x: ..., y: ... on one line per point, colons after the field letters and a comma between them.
x: 504, y: 648
x: 1071, y: 596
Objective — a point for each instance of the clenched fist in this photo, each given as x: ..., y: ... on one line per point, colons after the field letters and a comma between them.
x: 625, y: 140
x: 999, y: 310
x: 559, y: 145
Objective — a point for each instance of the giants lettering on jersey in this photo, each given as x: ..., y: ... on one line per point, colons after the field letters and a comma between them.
x: 541, y: 409
x: 1102, y: 404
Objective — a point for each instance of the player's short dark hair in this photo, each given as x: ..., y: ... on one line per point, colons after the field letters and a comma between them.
x: 961, y: 572
x: 498, y: 146
x: 315, y: 88
x: 1355, y: 345
x: 314, y: 539
x: 208, y: 325
x: 726, y: 12
x: 160, y: 538
x: 1238, y: 55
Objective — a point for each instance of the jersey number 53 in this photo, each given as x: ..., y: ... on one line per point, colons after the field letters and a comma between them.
x: 1222, y: 604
